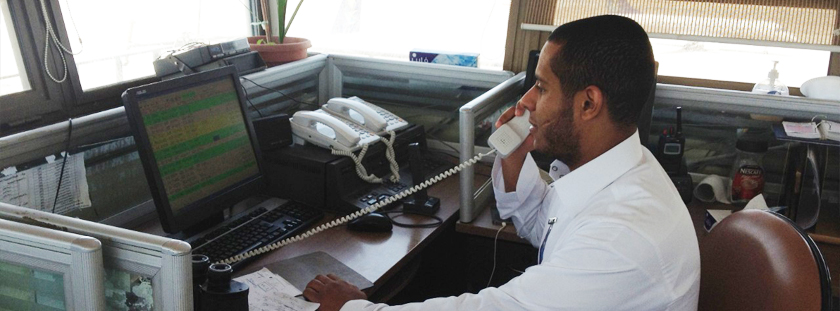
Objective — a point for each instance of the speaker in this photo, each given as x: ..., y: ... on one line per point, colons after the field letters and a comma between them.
x: 273, y: 132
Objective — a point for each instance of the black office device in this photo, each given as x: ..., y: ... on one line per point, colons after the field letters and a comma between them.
x: 419, y: 202
x: 201, y: 156
x: 671, y: 147
x: 316, y: 177
x: 530, y: 71
x: 273, y: 132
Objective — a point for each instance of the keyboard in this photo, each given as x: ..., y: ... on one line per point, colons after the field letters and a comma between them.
x: 258, y: 228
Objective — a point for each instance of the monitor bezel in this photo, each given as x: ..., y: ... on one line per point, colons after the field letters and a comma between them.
x: 207, y: 207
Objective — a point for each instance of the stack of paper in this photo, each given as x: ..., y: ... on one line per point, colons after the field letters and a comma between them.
x: 824, y: 130
x: 270, y: 292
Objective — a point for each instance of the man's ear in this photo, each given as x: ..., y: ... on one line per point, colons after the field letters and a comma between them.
x: 591, y: 102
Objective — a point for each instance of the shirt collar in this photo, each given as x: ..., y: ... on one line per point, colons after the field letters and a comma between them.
x: 577, y: 187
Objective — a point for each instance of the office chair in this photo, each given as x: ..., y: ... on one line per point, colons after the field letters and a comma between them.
x: 757, y: 260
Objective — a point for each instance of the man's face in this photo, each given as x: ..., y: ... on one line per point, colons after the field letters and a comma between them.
x: 554, y: 129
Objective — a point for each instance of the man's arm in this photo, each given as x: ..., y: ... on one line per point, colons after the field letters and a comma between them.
x: 331, y: 292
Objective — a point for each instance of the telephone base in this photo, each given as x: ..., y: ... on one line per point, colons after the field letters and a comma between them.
x: 429, y: 207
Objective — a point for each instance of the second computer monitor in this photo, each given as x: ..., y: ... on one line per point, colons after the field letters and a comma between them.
x: 197, y: 147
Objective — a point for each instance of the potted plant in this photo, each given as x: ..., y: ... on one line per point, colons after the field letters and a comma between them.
x: 276, y: 50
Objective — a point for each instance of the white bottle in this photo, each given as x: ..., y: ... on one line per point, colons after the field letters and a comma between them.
x: 772, y: 85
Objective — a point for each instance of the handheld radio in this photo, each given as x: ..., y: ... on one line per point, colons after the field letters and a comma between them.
x: 671, y: 147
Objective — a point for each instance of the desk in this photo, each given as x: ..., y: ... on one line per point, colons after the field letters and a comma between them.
x: 379, y: 257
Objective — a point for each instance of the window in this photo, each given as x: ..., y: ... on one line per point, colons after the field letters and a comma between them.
x: 12, y: 72
x: 721, y: 43
x: 120, y: 39
x: 390, y: 29
x: 737, y: 62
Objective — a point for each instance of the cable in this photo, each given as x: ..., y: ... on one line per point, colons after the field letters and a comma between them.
x: 495, y: 244
x: 357, y: 214
x: 437, y: 223
x: 249, y: 101
x: 392, y: 158
x: 50, y: 32
x: 278, y: 91
x: 360, y: 168
x: 63, y: 162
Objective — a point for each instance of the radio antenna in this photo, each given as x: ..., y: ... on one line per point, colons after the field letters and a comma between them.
x: 679, y: 120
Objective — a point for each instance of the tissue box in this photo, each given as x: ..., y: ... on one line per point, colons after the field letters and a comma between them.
x: 447, y: 58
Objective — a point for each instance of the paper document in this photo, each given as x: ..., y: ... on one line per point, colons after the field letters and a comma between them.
x: 35, y: 187
x: 269, y: 291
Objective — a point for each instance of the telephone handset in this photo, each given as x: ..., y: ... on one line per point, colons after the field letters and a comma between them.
x: 326, y: 131
x: 356, y: 112
x: 510, y: 135
x: 375, y: 119
x: 393, y: 121
x: 342, y: 137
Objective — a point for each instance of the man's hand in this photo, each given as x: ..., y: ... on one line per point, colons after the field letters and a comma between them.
x: 331, y: 292
x: 513, y: 163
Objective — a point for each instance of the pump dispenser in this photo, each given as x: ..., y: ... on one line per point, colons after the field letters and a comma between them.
x: 772, y: 85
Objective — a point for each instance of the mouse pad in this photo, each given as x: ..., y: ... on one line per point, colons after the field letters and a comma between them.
x: 302, y: 269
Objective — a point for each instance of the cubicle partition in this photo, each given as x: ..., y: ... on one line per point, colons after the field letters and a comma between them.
x: 422, y: 93
x: 142, y: 271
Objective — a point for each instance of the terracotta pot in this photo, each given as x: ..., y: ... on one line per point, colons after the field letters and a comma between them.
x: 290, y: 50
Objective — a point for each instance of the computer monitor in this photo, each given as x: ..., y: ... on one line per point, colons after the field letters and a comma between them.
x: 142, y: 271
x: 45, y: 269
x: 197, y: 147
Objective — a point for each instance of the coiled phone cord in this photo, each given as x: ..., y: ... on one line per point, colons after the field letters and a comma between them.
x: 392, y: 158
x: 359, y: 213
x: 360, y: 169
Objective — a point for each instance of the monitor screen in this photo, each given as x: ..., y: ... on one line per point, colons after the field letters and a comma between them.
x: 195, y: 144
x: 142, y: 271
x: 46, y: 269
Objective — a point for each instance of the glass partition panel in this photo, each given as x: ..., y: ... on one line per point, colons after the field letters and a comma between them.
x: 429, y: 95
x: 712, y: 133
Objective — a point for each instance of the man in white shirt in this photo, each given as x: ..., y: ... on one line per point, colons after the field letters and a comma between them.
x: 612, y: 233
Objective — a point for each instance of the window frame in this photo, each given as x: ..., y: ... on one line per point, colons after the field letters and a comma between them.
x: 47, y: 102
x: 44, y: 100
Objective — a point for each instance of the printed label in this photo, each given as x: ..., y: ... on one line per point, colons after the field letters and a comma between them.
x: 748, y: 182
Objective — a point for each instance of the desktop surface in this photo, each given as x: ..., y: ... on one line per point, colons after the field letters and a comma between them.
x: 377, y: 256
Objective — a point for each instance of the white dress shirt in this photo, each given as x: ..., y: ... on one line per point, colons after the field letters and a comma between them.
x: 621, y: 239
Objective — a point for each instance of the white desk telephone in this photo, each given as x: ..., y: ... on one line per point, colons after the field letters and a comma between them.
x: 326, y: 131
x: 365, y: 123
x: 347, y: 125
x: 507, y: 137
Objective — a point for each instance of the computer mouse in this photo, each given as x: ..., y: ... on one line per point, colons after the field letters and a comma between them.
x: 373, y: 222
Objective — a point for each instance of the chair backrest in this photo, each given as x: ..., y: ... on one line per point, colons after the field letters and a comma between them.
x: 756, y: 260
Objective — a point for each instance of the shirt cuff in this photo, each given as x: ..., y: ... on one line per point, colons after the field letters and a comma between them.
x: 358, y: 304
x: 508, y: 202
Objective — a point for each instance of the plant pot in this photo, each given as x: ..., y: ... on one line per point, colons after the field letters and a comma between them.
x: 290, y: 50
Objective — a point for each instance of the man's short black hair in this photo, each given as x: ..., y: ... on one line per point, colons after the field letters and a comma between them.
x: 610, y: 52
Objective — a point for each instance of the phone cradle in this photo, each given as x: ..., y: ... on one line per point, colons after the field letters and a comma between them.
x: 416, y: 205
x: 419, y: 202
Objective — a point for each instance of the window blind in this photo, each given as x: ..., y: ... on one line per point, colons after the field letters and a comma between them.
x: 792, y: 21
x: 809, y: 24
